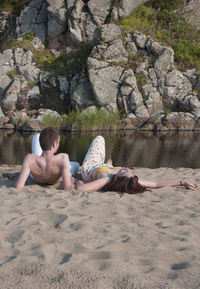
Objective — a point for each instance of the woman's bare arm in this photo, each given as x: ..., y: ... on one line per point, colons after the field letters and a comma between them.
x: 92, y: 186
x: 156, y: 185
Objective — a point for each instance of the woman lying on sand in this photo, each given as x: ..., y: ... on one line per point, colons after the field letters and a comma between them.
x: 98, y: 175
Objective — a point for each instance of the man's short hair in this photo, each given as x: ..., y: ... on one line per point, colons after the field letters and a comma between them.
x: 47, y: 137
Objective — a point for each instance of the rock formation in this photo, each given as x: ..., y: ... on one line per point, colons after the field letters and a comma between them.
x: 133, y: 73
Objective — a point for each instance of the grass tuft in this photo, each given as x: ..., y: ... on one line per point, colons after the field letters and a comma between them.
x: 100, y: 119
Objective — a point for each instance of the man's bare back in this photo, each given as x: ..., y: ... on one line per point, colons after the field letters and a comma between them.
x: 47, y: 168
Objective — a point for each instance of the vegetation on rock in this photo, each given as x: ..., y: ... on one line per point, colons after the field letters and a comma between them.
x: 13, y: 5
x: 65, y: 64
x: 161, y: 22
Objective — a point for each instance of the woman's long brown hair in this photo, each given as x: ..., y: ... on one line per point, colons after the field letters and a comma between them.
x: 124, y: 185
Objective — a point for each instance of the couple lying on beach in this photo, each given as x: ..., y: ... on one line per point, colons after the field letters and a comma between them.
x: 46, y: 167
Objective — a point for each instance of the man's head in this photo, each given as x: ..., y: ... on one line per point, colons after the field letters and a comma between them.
x: 48, y: 137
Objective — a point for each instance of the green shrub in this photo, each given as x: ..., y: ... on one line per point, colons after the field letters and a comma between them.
x: 12, y: 73
x: 13, y: 5
x: 13, y: 43
x: 157, y: 19
x: 167, y: 111
x: 64, y: 64
x: 165, y: 4
x: 29, y: 35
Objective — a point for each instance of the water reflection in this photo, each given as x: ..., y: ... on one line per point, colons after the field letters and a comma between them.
x: 130, y: 148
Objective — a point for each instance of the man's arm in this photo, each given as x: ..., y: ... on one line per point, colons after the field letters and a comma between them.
x: 66, y: 175
x: 25, y: 171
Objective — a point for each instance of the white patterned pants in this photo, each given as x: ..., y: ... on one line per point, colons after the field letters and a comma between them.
x: 94, y: 158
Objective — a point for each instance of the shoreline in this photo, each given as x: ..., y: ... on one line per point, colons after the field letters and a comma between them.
x: 53, y: 238
x: 65, y: 129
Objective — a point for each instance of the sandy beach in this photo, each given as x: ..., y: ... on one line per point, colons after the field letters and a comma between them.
x: 51, y: 238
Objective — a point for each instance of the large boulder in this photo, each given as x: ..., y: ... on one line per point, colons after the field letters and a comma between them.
x: 164, y: 62
x: 99, y: 10
x: 104, y: 84
x: 127, y: 6
x: 33, y: 18
x: 81, y: 92
x: 25, y: 64
x: 176, y: 87
x: 56, y: 25
x: 6, y: 61
x: 180, y: 121
x: 10, y: 100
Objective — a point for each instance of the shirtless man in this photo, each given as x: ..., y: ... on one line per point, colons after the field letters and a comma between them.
x: 47, y: 168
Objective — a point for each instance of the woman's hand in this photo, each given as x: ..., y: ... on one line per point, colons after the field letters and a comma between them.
x: 190, y: 186
x: 79, y: 183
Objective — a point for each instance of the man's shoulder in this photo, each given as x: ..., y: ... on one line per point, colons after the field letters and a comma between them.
x: 62, y: 155
x: 62, y: 158
x: 30, y: 157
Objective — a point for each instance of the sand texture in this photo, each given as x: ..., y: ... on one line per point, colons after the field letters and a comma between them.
x: 51, y: 238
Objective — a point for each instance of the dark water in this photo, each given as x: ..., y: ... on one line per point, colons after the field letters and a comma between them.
x: 130, y: 148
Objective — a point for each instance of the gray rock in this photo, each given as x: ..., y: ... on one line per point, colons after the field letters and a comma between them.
x: 30, y: 72
x: 4, y: 20
x: 177, y: 86
x: 46, y: 112
x: 126, y: 89
x: 96, y: 64
x: 197, y: 84
x: 135, y: 100
x: 64, y: 84
x: 153, y: 99
x: 154, y: 47
x: 126, y: 74
x: 10, y: 99
x: 33, y: 18
x: 109, y: 32
x: 99, y: 10
x: 74, y: 23
x: 115, y: 52
x: 37, y: 43
x: 180, y: 121
x: 164, y: 62
x: 5, y: 81
x: 140, y: 40
x: 104, y: 84
x: 1, y: 113
x: 131, y: 47
x: 81, y: 92
x: 56, y: 25
x: 196, y: 113
x: 190, y: 103
x: 24, y: 63
x: 33, y: 125
x: 19, y: 118
x: 127, y: 6
x: 6, y: 61
x: 152, y: 76
x: 191, y: 74
x: 141, y: 112
x: 33, y: 92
